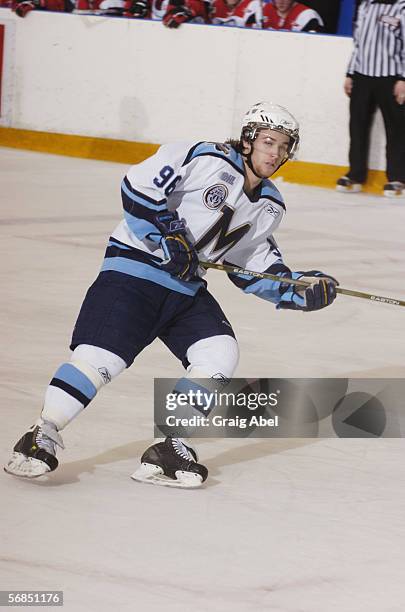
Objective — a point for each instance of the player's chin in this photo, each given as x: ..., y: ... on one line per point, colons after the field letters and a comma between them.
x: 268, y: 170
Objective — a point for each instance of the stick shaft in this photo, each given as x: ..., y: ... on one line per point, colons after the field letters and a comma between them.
x: 359, y: 294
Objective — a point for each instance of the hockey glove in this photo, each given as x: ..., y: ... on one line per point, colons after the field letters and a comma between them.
x: 319, y: 294
x: 181, y: 258
x: 136, y: 8
x: 177, y: 14
x: 22, y: 8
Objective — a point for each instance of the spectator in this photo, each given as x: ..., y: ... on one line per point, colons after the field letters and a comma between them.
x: 149, y: 9
x: 242, y: 13
x: 22, y: 7
x: 109, y: 8
x: 329, y: 11
x: 376, y: 78
x: 291, y: 15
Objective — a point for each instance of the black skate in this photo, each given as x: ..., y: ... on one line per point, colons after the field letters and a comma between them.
x: 346, y: 185
x: 171, y: 463
x: 393, y: 189
x: 35, y: 453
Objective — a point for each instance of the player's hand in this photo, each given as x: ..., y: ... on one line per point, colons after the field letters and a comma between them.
x: 348, y: 86
x: 136, y: 8
x: 181, y: 258
x: 320, y: 293
x: 22, y: 8
x: 177, y: 14
x: 399, y: 92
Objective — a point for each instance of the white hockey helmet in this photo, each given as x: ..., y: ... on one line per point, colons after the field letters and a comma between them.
x: 274, y: 117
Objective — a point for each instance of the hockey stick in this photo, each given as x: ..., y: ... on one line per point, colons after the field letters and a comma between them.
x: 359, y: 294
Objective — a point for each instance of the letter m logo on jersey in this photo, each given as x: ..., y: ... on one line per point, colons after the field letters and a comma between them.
x: 220, y: 234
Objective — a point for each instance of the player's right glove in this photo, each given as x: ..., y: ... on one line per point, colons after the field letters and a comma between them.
x: 177, y: 14
x: 181, y: 258
x: 319, y: 294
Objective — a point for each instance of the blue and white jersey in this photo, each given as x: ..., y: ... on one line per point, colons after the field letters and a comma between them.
x: 204, y: 183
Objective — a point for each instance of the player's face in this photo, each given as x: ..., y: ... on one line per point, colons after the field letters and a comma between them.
x: 269, y: 151
x: 283, y: 5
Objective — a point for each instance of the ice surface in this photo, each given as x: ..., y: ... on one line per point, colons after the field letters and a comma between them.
x: 288, y: 525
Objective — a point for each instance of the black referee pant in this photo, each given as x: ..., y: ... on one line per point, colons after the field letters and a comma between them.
x: 368, y: 93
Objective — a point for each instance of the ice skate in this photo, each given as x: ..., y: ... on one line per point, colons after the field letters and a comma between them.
x: 346, y: 185
x: 35, y: 453
x: 394, y: 189
x: 171, y: 463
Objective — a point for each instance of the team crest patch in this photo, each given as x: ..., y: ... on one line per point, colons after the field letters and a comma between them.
x: 215, y: 195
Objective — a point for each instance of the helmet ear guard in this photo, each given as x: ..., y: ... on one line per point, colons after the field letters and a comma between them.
x: 249, y: 134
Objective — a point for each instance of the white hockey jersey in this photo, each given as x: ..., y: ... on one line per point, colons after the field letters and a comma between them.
x: 203, y: 182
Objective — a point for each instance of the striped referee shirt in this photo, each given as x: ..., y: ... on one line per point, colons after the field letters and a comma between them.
x: 379, y: 40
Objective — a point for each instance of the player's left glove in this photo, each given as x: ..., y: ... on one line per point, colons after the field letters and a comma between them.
x: 181, y: 258
x: 177, y: 14
x: 319, y: 294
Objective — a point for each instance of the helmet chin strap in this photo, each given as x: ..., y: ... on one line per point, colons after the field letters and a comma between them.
x: 248, y: 159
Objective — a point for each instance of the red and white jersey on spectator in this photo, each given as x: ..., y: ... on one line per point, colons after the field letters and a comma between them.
x: 158, y: 8
x: 298, y: 19
x: 47, y: 5
x: 246, y: 13
x: 155, y: 9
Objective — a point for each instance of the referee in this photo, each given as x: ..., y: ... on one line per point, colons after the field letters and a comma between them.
x: 376, y: 78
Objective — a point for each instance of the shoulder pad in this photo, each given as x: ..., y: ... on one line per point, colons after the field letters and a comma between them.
x: 270, y: 192
x: 216, y: 149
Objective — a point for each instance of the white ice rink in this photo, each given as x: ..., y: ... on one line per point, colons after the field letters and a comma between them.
x: 286, y: 525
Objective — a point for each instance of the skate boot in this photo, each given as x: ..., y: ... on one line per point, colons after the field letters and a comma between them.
x: 394, y: 189
x: 35, y: 453
x: 346, y: 185
x: 171, y: 463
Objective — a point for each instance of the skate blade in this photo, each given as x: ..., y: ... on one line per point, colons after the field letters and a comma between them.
x: 153, y: 474
x: 351, y: 189
x: 394, y: 194
x: 26, y: 467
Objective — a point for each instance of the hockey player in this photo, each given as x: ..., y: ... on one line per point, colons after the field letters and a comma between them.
x: 240, y: 13
x: 146, y: 9
x: 23, y: 7
x: 244, y: 13
x: 188, y: 201
x: 290, y: 15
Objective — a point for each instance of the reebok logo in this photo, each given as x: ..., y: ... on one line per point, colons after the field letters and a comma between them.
x: 105, y: 375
